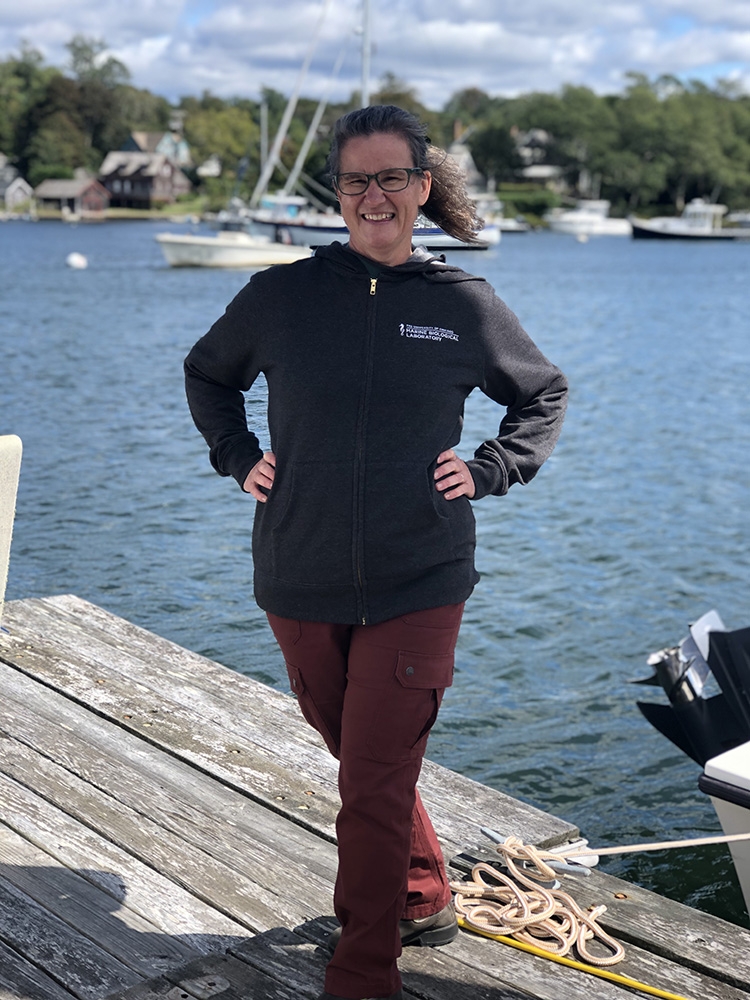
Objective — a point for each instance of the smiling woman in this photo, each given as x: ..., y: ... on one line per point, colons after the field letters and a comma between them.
x: 364, y: 537
x: 377, y: 213
x: 381, y: 216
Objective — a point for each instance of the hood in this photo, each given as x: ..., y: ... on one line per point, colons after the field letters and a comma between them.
x: 421, y: 262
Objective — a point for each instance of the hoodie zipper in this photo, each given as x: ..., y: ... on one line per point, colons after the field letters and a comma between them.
x: 359, y: 479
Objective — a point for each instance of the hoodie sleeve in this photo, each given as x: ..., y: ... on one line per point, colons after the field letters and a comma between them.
x: 534, y: 391
x: 218, y: 370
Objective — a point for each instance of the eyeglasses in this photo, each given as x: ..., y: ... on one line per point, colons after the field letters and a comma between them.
x: 394, y: 179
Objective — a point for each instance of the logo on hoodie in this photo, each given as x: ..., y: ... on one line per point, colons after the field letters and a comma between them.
x: 426, y: 332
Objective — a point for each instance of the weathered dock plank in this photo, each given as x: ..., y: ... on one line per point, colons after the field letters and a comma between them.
x: 185, y: 800
x: 201, y: 715
x: 87, y: 970
x: 19, y: 978
x: 170, y: 822
x: 71, y: 898
x: 248, y: 901
x: 134, y: 884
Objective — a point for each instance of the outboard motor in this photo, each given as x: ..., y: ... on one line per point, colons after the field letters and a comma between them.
x: 707, y: 681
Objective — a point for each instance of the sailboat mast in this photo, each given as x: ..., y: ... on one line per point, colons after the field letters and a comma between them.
x: 365, y: 53
x: 273, y: 158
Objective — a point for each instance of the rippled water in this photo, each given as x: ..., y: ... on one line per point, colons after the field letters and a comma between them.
x: 637, y: 525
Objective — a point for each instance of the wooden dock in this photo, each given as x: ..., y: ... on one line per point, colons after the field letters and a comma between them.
x: 168, y: 832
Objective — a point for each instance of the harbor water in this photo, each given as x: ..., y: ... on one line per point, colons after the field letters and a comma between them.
x: 636, y: 526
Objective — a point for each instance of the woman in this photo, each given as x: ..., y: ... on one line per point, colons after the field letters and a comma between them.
x: 363, y: 541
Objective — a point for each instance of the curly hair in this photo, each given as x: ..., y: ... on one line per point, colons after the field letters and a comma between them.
x: 448, y: 205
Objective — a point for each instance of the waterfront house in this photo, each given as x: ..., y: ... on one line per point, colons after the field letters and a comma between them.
x: 16, y: 193
x: 171, y: 144
x: 82, y: 196
x: 14, y: 190
x: 142, y: 180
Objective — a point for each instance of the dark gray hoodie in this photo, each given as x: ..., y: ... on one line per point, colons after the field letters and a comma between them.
x: 367, y: 379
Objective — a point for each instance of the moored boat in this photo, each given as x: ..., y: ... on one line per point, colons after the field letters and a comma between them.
x: 726, y: 780
x: 226, y: 249
x: 700, y: 220
x: 590, y: 217
x: 706, y: 678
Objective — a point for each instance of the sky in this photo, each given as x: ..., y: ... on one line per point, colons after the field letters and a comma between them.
x: 232, y: 49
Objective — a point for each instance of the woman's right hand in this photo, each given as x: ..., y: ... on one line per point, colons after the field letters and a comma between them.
x: 261, y: 477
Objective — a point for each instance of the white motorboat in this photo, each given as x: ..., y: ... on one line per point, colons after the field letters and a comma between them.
x: 590, y: 217
x: 516, y: 224
x: 700, y: 220
x: 490, y: 208
x: 726, y: 780
x: 226, y: 249
x: 707, y: 680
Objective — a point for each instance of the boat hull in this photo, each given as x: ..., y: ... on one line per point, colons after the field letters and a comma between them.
x: 657, y: 230
x: 726, y: 780
x: 226, y: 250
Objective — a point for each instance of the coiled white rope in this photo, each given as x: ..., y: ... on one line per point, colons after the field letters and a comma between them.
x: 520, y: 907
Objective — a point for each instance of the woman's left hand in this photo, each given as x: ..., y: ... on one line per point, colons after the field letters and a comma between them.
x: 452, y: 475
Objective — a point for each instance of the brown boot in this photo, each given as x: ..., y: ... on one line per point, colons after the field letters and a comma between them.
x: 427, y: 932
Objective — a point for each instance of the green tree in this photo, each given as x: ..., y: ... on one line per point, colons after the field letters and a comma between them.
x: 100, y: 80
x: 88, y: 66
x: 393, y: 90
x: 23, y: 83
x: 56, y: 142
x: 469, y: 106
x: 637, y: 162
x: 142, y: 110
x: 229, y: 132
x: 495, y: 151
x: 695, y: 140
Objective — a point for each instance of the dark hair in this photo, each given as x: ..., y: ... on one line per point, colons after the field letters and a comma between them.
x: 448, y: 205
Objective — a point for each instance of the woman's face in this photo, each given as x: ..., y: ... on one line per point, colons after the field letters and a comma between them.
x: 381, y: 222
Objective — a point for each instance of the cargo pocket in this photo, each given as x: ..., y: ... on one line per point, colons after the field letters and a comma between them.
x: 408, y: 708
x: 309, y: 709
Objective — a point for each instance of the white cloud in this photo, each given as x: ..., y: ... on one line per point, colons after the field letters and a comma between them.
x: 177, y: 47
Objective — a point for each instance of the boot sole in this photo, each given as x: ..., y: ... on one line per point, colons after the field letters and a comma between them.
x: 432, y: 938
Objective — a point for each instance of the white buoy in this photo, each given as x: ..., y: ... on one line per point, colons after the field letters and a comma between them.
x: 582, y: 237
x: 76, y: 261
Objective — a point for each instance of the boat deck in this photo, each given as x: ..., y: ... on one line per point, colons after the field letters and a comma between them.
x: 168, y: 832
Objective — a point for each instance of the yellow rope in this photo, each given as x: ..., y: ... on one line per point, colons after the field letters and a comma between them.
x: 593, y: 970
x: 492, y: 901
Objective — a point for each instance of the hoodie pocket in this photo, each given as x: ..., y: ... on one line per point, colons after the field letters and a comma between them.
x: 407, y: 527
x: 306, y: 538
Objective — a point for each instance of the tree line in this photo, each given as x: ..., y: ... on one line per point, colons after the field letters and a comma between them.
x: 650, y: 148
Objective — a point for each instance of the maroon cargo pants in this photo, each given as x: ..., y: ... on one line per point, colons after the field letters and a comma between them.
x: 373, y: 693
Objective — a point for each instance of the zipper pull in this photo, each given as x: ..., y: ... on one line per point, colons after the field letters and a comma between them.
x: 373, y: 285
